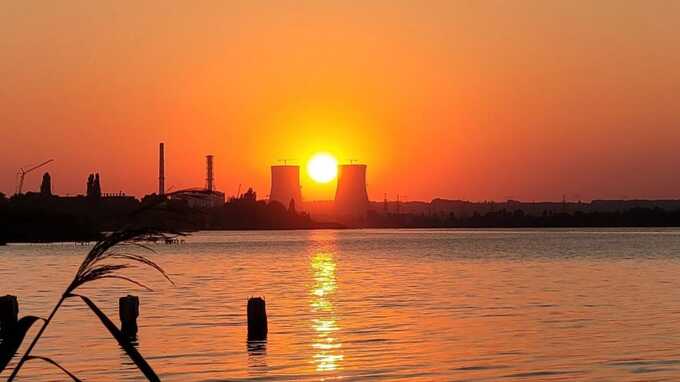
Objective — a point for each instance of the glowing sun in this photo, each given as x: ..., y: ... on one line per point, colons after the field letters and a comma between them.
x: 322, y: 168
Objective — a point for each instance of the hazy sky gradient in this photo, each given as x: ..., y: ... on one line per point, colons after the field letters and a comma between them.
x: 459, y: 99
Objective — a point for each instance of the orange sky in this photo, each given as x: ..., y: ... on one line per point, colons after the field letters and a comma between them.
x: 459, y: 99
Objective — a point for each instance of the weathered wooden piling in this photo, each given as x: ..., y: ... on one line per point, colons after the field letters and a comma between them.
x: 9, y: 314
x: 128, y: 311
x: 257, y: 319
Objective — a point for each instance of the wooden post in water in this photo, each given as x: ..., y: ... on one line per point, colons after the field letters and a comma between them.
x: 128, y: 311
x: 9, y: 314
x: 257, y: 319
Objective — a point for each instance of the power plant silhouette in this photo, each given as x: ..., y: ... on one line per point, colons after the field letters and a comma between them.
x: 351, y: 198
x: 286, y: 185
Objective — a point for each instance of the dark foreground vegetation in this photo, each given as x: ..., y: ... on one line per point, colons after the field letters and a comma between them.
x: 104, y: 261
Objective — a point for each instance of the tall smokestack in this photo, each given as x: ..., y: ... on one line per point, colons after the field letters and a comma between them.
x: 286, y: 185
x: 209, y: 170
x: 351, y: 198
x: 161, y: 169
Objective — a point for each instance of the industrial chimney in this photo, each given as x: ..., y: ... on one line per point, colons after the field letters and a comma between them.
x: 209, y: 170
x: 286, y: 185
x: 351, y: 198
x: 161, y: 169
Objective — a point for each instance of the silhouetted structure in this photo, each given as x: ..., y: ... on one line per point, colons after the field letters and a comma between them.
x: 250, y: 195
x: 209, y: 179
x: 257, y: 319
x: 9, y: 315
x: 161, y: 169
x: 97, y: 186
x: 31, y: 217
x: 285, y: 184
x: 21, y: 174
x: 46, y: 185
x: 128, y: 311
x: 200, y: 198
x: 351, y: 197
x: 94, y: 189
x: 90, y: 185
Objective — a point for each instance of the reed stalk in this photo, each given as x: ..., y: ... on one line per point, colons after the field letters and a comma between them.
x: 101, y: 262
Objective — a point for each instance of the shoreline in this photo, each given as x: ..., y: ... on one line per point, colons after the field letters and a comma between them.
x: 8, y: 242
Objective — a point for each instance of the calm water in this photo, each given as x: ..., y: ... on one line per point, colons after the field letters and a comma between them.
x: 417, y: 305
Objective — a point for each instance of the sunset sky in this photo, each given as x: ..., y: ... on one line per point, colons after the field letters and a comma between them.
x: 476, y: 100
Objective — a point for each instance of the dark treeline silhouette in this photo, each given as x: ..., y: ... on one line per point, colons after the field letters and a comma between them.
x: 26, y: 220
x: 468, y: 208
x: 634, y: 217
x: 247, y: 212
x: 43, y: 217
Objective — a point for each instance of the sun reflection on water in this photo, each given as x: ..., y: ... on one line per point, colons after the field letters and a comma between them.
x: 327, y: 355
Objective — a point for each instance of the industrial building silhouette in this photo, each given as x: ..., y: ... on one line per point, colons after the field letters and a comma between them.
x: 286, y: 185
x: 206, y: 197
x: 351, y: 197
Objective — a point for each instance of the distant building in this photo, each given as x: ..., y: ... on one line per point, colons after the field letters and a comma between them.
x: 200, y: 198
x: 46, y: 185
x: 286, y: 185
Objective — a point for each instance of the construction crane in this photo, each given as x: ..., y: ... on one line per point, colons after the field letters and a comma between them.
x: 21, y: 174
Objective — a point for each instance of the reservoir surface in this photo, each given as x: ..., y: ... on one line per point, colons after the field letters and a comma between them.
x: 378, y: 305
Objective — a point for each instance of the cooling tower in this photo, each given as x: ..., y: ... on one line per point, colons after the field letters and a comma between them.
x: 351, y: 198
x: 286, y: 185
